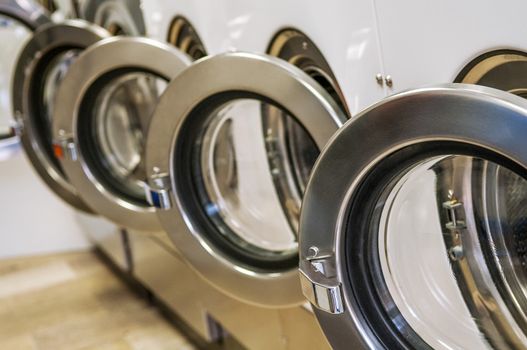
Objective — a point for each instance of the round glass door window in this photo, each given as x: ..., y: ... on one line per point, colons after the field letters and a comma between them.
x: 250, y: 164
x: 113, y: 128
x: 446, y: 250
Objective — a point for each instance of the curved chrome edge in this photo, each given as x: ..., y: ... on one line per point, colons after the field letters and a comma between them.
x: 29, y: 13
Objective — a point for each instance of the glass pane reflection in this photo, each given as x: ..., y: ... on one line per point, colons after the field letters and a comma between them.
x: 121, y: 117
x: 452, y: 243
x: 253, y: 162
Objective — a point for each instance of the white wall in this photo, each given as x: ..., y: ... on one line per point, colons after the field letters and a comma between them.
x: 33, y: 220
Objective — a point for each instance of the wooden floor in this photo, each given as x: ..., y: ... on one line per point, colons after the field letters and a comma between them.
x: 74, y: 302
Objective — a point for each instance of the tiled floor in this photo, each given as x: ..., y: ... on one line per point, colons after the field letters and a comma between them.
x: 73, y: 302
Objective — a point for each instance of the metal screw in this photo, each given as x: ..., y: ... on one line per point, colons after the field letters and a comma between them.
x: 379, y: 79
x: 456, y: 253
x: 312, y: 252
x: 156, y: 170
x: 304, y: 45
x: 389, y: 81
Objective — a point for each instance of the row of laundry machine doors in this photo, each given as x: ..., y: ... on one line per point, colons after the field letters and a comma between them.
x: 412, y: 217
x: 128, y: 75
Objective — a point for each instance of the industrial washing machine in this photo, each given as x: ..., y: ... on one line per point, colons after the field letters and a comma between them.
x: 428, y: 173
x: 111, y: 91
x: 44, y: 232
x: 271, y: 294
x: 243, y: 241
x: 41, y: 67
x: 417, y: 240
x: 43, y: 64
x: 155, y: 261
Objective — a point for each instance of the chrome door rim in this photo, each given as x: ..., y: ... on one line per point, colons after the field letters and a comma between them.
x: 72, y: 33
x: 139, y: 54
x: 29, y: 13
x: 460, y: 113
x: 276, y: 80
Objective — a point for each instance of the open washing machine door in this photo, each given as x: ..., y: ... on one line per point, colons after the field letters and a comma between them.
x: 229, y: 152
x: 40, y: 69
x: 413, y: 224
x: 18, y: 20
x: 100, y: 127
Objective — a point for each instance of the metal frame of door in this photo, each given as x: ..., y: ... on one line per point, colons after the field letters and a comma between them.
x: 480, y: 119
x: 117, y: 54
x: 48, y: 42
x: 213, y: 80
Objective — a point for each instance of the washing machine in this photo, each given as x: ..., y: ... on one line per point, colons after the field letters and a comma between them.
x: 417, y: 240
x: 156, y: 263
x: 40, y: 68
x: 271, y: 28
x: 224, y: 187
x: 110, y: 92
x: 18, y: 21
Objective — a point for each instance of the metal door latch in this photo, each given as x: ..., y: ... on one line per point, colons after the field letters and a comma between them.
x: 321, y: 289
x: 65, y: 148
x: 158, y: 191
x: 324, y: 297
